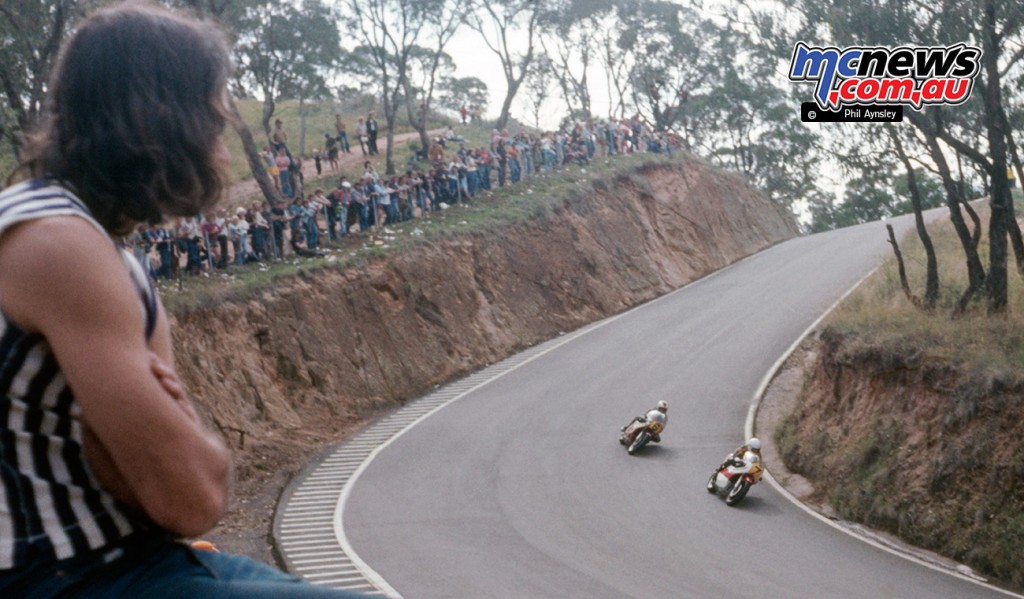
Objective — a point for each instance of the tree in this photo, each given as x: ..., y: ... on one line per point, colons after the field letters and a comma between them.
x: 388, y: 31
x: 569, y: 44
x: 995, y: 27
x: 428, y: 65
x: 666, y: 43
x: 456, y: 92
x: 538, y: 87
x: 284, y: 50
x: 500, y: 22
x: 223, y: 11
x: 30, y: 36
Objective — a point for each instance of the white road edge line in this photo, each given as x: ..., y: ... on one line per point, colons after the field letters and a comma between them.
x: 369, y: 573
x: 748, y: 432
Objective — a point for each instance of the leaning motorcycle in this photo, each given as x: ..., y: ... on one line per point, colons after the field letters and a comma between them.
x: 639, y: 432
x: 736, y: 478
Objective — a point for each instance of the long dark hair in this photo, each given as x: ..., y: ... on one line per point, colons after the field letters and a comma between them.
x: 134, y: 114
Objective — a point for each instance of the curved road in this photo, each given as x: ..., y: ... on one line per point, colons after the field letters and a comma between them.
x: 519, y: 489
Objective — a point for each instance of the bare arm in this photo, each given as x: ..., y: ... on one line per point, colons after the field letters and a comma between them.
x: 78, y: 294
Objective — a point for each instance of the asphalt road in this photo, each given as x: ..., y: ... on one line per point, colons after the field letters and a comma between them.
x: 520, y: 489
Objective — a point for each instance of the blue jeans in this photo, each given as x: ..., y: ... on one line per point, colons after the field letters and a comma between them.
x: 485, y: 176
x: 549, y: 159
x: 166, y: 257
x: 158, y: 569
x: 286, y: 183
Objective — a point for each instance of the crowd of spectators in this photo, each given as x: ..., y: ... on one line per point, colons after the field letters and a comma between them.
x: 297, y: 223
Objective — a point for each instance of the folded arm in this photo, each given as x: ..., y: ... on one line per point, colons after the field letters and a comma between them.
x: 63, y: 278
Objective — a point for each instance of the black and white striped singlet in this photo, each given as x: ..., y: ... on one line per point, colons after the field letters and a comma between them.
x: 51, y: 506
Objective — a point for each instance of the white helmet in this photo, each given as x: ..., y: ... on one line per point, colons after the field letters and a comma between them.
x: 754, y: 443
x: 663, y: 405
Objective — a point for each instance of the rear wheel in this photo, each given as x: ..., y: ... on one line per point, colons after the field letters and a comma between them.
x: 641, y: 439
x: 738, y: 491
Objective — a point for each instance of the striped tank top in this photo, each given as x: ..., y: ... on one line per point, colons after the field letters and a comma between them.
x: 51, y: 506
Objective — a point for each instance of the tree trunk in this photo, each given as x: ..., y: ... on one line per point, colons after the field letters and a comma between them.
x: 901, y: 268
x: 1011, y: 223
x: 268, y: 111
x: 931, y: 294
x: 996, y: 282
x: 417, y: 119
x: 506, y: 106
x: 252, y: 156
x: 390, y: 117
x: 954, y: 199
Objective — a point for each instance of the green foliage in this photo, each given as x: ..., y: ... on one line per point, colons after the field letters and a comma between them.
x: 284, y: 50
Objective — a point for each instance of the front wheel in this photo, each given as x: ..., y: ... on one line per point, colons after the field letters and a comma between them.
x: 641, y: 439
x: 738, y: 491
x: 712, y: 487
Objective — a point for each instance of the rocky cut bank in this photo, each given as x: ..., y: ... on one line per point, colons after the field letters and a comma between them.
x: 304, y: 358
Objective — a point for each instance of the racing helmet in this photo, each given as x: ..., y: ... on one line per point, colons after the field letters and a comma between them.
x: 754, y: 443
x: 663, y: 406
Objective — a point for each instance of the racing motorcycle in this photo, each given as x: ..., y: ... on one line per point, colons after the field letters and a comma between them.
x: 736, y: 478
x: 640, y: 431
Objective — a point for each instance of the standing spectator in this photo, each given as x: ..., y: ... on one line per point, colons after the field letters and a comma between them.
x: 278, y: 217
x: 502, y: 153
x: 141, y: 247
x: 188, y: 243
x: 331, y: 147
x: 222, y: 238
x: 283, y: 164
x: 463, y: 111
x: 165, y: 249
x: 339, y: 127
x: 362, y: 134
x: 340, y: 201
x: 371, y: 132
x: 361, y: 202
x: 317, y: 159
x: 270, y: 159
x: 211, y: 230
x: 484, y: 162
x: 310, y: 227
x: 296, y: 218
x: 279, y: 138
x: 259, y: 227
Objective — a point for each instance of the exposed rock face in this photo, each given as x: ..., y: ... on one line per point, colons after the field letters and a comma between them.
x: 332, y: 347
x: 916, y: 447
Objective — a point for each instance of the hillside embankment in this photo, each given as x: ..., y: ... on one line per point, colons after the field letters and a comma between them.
x: 299, y: 364
x: 919, y: 447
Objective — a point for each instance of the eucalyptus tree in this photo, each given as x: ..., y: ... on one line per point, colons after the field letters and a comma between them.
x: 456, y: 92
x: 285, y: 49
x: 30, y: 37
x: 510, y: 30
x: 430, y: 64
x: 538, y: 87
x: 666, y: 45
x: 570, y: 45
x: 389, y: 32
x: 977, y: 130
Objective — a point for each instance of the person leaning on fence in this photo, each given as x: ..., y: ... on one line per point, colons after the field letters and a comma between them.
x: 112, y: 463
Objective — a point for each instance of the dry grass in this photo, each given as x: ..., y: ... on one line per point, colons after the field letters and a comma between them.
x: 880, y: 314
